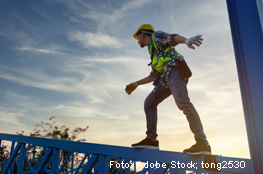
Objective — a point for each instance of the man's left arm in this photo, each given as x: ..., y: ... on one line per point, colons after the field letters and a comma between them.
x: 196, y: 40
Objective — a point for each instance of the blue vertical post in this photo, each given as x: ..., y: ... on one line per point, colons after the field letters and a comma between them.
x: 248, y: 45
x: 72, y: 162
x: 34, y: 155
x: 21, y: 158
x: 55, y: 160
x: 10, y: 162
x: 103, y: 164
x: 12, y: 149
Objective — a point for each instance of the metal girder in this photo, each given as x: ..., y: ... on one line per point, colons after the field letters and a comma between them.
x: 64, y: 163
x: 92, y: 161
x: 247, y: 38
x: 160, y: 170
x: 43, y: 161
x: 96, y: 158
x: 103, y: 164
x: 11, y: 159
x: 21, y: 158
x: 55, y: 160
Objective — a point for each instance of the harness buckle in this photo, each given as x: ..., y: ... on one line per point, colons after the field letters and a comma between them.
x: 171, y: 64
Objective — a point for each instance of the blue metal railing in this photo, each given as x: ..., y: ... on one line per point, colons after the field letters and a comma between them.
x: 97, y: 158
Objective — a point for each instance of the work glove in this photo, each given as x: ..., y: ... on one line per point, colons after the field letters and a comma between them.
x: 197, y: 40
x: 131, y: 87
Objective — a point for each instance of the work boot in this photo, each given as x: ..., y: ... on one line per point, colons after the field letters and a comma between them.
x: 199, y: 148
x: 147, y: 144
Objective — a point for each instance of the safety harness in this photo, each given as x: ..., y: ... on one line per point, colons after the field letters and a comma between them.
x: 171, y: 64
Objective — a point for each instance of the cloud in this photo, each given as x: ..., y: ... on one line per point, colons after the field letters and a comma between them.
x: 106, y: 16
x: 94, y: 39
x: 110, y: 20
x: 89, y: 77
x: 95, y: 99
x: 40, y: 50
x: 10, y: 119
x: 75, y: 20
x: 84, y: 110
x: 30, y: 77
x: 110, y: 59
x: 81, y: 75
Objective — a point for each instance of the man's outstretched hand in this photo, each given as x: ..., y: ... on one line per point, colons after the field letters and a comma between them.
x: 196, y: 40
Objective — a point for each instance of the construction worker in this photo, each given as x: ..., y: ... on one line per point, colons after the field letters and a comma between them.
x: 170, y: 75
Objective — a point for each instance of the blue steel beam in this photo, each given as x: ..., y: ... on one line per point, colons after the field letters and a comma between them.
x: 144, y: 171
x: 42, y: 163
x: 65, y: 162
x: 34, y: 155
x: 160, y: 170
x: 28, y: 161
x: 11, y: 159
x: 47, y: 165
x: 40, y: 156
x: 80, y: 165
x: 103, y: 164
x: 21, y: 158
x: 92, y: 161
x: 11, y: 151
x: 129, y: 167
x: 142, y: 155
x: 114, y: 167
x: 248, y: 45
x: 55, y: 160
x: 72, y: 162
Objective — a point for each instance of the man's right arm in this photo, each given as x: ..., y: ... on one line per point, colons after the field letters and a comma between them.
x: 132, y: 86
x: 144, y: 81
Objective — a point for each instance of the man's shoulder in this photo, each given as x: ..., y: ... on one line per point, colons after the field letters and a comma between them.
x: 161, y: 34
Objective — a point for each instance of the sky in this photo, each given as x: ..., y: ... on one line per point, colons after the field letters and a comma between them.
x: 73, y: 59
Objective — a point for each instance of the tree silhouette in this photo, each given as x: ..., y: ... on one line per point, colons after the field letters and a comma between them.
x: 48, y: 129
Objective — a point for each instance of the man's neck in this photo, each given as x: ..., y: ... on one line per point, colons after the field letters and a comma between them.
x: 147, y: 40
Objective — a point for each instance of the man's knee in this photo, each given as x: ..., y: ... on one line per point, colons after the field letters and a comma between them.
x: 150, y: 104
x: 184, y: 105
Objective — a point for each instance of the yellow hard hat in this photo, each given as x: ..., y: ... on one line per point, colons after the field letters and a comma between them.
x: 145, y: 27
